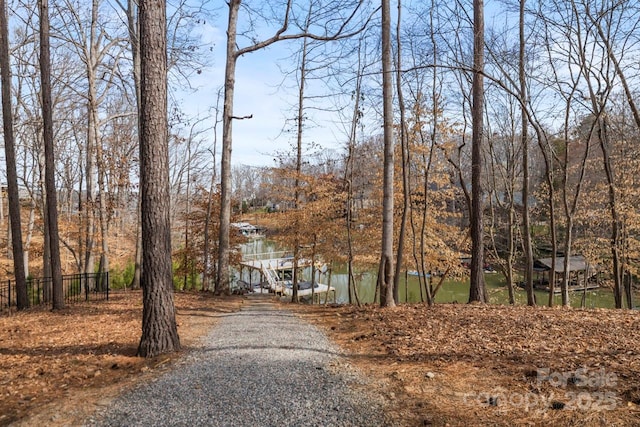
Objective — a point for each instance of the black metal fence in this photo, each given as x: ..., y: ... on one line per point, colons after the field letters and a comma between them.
x: 76, y: 288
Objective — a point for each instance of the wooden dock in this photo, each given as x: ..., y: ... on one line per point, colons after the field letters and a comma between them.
x: 276, y: 276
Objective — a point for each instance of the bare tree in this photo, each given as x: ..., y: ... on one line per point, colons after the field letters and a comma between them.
x: 526, y: 215
x: 477, y: 291
x: 502, y: 179
x: 404, y: 150
x: 188, y: 165
x: 50, y: 184
x: 133, y: 27
x: 100, y: 51
x: 302, y: 82
x: 599, y: 97
x: 386, y: 267
x: 10, y: 154
x: 207, y: 267
x: 349, y: 170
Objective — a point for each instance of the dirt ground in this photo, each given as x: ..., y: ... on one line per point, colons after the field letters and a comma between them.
x: 447, y: 365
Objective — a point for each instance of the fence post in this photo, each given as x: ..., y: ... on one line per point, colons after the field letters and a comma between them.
x: 107, y: 277
x: 86, y: 287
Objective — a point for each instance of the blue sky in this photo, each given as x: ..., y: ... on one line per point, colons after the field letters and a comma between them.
x: 255, y: 140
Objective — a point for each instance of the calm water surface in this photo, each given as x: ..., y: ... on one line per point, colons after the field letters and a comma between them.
x: 452, y: 290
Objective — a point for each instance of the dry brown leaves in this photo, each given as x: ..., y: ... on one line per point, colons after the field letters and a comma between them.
x: 57, y: 367
x: 486, y: 365
x: 447, y: 365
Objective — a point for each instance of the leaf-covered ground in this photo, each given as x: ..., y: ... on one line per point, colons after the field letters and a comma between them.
x: 496, y: 365
x: 447, y: 365
x: 56, y: 368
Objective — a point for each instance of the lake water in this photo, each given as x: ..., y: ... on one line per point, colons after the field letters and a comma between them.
x: 452, y: 290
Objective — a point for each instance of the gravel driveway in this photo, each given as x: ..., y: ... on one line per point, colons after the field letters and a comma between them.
x: 260, y: 366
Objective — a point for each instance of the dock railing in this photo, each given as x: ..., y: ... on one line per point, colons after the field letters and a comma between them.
x: 266, y: 255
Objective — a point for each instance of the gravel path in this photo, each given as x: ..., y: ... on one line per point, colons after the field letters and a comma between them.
x: 258, y: 367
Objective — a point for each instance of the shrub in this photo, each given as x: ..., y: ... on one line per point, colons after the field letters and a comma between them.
x: 120, y: 278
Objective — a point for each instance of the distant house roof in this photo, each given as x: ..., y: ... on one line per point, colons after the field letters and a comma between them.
x: 576, y: 263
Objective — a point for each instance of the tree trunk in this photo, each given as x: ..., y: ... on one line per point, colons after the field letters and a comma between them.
x: 553, y: 228
x: 404, y: 144
x: 104, y: 220
x: 102, y: 203
x: 206, y: 279
x: 185, y: 259
x: 2, y: 198
x: 159, y: 329
x: 134, y: 40
x: 47, y: 291
x: 386, y: 269
x: 22, y: 300
x: 348, y: 178
x: 477, y: 291
x: 89, y: 204
x: 512, y: 249
x: 137, y: 270
x: 222, y: 280
x: 568, y: 243
x: 618, y: 291
x: 92, y: 130
x: 295, y: 273
x: 526, y: 218
x: 297, y: 189
x: 27, y: 242
x: 419, y: 248
x: 49, y: 169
